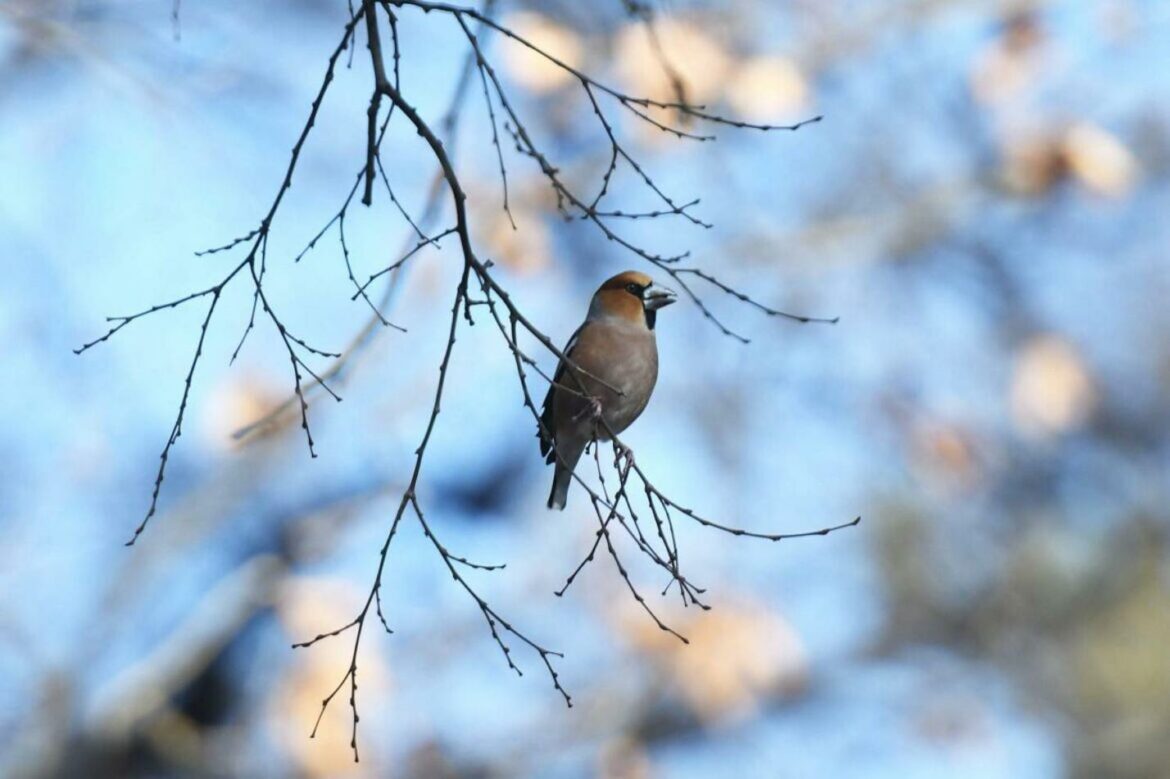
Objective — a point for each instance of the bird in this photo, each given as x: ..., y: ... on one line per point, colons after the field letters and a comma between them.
x: 605, y: 379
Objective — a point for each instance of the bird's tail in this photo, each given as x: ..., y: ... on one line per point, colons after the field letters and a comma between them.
x: 565, y: 458
x: 562, y: 478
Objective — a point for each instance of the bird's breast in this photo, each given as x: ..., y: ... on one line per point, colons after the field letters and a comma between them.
x: 632, y: 372
x: 620, y: 361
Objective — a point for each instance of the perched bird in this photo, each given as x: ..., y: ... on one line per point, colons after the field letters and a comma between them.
x: 614, y: 367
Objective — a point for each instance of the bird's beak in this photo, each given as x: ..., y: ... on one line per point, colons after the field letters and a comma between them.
x: 656, y: 297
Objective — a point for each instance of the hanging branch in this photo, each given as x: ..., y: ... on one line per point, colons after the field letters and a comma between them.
x: 636, y: 516
x: 255, y: 261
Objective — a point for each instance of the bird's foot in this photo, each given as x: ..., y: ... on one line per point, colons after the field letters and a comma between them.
x: 591, y: 411
x: 623, y: 458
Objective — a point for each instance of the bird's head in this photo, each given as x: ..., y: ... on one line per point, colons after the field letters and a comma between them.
x: 632, y: 296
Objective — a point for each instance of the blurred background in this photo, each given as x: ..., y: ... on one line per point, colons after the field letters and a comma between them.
x: 984, y: 206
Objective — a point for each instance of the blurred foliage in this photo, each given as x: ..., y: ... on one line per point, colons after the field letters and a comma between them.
x: 984, y: 206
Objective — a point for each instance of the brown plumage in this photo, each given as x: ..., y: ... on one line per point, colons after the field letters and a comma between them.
x: 617, y: 357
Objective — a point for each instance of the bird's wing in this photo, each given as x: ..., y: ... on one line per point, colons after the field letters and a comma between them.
x: 547, y: 432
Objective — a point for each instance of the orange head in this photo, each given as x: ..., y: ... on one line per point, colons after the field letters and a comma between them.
x: 632, y: 296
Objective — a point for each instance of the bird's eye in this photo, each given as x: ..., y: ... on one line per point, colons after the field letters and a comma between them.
x: 634, y: 290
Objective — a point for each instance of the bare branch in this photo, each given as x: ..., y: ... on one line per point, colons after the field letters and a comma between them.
x: 624, y: 523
